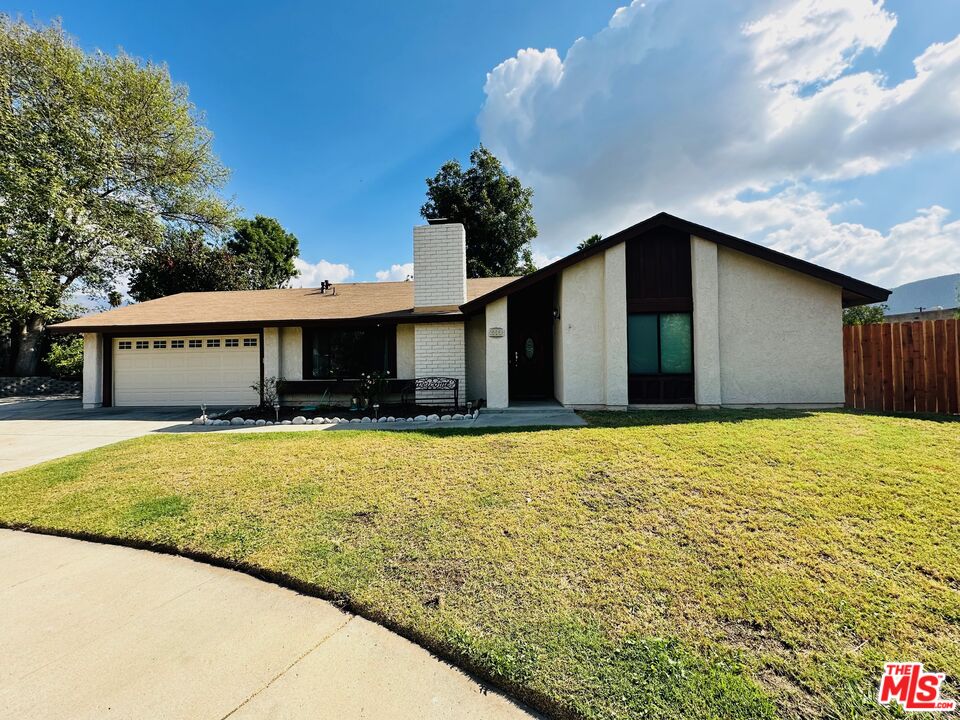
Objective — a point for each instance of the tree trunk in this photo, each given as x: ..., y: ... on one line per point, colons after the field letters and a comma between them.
x: 28, y: 349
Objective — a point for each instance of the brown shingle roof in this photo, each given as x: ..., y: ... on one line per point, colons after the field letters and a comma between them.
x: 387, y: 300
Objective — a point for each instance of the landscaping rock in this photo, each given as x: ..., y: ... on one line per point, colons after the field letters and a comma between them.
x: 457, y: 416
x: 261, y: 422
x: 445, y: 417
x: 391, y: 419
x: 475, y: 414
x: 421, y: 418
x: 365, y: 419
x: 355, y: 420
x: 299, y: 420
x: 208, y: 421
x: 284, y: 422
x: 380, y: 420
x: 236, y: 421
x: 249, y: 421
x: 198, y: 421
x: 409, y: 419
x: 269, y: 422
x: 433, y: 417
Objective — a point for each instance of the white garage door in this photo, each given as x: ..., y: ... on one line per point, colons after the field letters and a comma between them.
x: 186, y: 370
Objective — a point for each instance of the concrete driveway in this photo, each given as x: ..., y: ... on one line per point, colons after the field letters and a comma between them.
x: 42, y: 428
x: 96, y: 631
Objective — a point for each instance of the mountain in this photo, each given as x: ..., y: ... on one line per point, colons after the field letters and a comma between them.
x: 928, y: 293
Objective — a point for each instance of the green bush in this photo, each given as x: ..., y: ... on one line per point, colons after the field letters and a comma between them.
x: 65, y: 359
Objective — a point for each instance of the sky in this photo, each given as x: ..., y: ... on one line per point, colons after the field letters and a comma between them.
x: 828, y: 129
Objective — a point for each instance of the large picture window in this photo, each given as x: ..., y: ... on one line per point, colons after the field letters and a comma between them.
x: 659, y: 344
x: 346, y: 353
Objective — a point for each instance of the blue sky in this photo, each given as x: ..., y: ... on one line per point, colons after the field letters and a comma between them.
x: 330, y: 117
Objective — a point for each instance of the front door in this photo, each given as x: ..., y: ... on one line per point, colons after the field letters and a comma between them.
x: 530, y: 342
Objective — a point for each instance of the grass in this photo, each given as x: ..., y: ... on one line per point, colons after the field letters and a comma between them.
x: 673, y: 565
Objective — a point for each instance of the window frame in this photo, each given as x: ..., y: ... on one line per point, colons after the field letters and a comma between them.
x: 309, y: 332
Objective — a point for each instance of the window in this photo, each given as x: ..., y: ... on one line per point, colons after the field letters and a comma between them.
x: 213, y: 342
x: 338, y: 354
x: 232, y: 342
x: 659, y: 344
x: 249, y: 342
x: 195, y: 343
x: 159, y: 344
x: 176, y: 343
x: 143, y: 344
x: 124, y: 344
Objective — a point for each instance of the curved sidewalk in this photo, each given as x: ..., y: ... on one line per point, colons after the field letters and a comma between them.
x: 94, y: 631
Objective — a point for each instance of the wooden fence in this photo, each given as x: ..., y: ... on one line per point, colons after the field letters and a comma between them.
x: 903, y: 367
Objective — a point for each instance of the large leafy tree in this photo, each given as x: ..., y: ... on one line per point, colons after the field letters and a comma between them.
x: 97, y: 154
x: 186, y: 262
x: 267, y: 249
x: 495, y: 209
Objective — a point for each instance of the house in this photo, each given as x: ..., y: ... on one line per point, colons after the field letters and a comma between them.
x: 664, y: 313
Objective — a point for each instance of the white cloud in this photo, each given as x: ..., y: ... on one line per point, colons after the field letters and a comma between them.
x: 541, y: 259
x: 661, y: 110
x: 312, y: 274
x: 395, y: 273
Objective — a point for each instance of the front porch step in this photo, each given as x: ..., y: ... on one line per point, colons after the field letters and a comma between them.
x: 530, y: 408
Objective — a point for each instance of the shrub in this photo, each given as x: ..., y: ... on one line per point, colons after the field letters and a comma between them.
x: 65, y: 358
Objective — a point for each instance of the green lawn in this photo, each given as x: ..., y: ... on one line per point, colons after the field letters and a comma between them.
x: 671, y: 565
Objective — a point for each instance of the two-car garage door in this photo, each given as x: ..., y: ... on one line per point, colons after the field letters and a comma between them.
x: 186, y: 370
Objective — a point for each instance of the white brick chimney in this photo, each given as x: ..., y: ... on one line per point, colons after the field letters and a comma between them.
x: 439, y: 265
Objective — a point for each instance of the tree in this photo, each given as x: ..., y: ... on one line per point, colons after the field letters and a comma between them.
x: 592, y: 240
x: 864, y: 314
x: 495, y: 209
x: 97, y: 154
x: 267, y: 249
x: 186, y: 262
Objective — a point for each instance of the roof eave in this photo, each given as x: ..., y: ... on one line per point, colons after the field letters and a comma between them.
x: 852, y: 288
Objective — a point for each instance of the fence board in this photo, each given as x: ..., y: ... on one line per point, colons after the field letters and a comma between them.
x: 886, y: 365
x: 940, y: 341
x: 953, y: 372
x: 908, y: 367
x: 906, y: 338
x: 896, y: 365
x: 930, y: 367
x: 919, y: 379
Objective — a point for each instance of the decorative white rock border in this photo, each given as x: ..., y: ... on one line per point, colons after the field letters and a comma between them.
x: 302, y: 420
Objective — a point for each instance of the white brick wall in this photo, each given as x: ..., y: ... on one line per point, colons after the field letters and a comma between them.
x: 440, y: 351
x: 440, y: 265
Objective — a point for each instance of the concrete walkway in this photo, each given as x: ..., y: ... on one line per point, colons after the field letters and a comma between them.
x: 96, y: 631
x: 43, y: 428
x: 36, y: 429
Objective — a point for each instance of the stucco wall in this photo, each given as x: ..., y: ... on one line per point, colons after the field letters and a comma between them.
x: 291, y: 353
x: 476, y: 332
x: 271, y: 352
x: 497, y: 370
x: 581, y: 329
x: 705, y: 287
x: 93, y: 349
x: 781, y: 337
x: 406, y: 352
x: 615, y: 325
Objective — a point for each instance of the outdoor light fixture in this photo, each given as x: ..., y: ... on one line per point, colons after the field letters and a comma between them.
x: 376, y: 410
